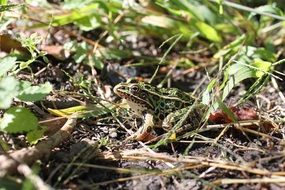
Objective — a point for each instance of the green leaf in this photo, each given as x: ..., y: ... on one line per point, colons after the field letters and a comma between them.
x: 264, y: 54
x: 87, y: 23
x: 6, y: 64
x: 267, y: 9
x: 226, y: 110
x: 191, y: 8
x: 112, y: 53
x: 67, y: 111
x: 206, y: 94
x: 96, y: 62
x: 262, y: 66
x: 34, y: 136
x: 249, y: 65
x: 74, y: 15
x: 9, y: 88
x: 237, y: 73
x: 7, y: 183
x: 18, y: 119
x: 33, y: 93
x: 75, y: 4
x: 207, y: 31
x: 7, y: 7
x: 97, y: 110
x: 81, y: 52
x: 159, y: 21
x: 3, y: 2
x: 255, y: 88
x: 231, y: 47
x: 4, y: 146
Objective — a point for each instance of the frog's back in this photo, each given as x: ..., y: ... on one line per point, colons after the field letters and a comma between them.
x: 168, y: 100
x: 174, y: 94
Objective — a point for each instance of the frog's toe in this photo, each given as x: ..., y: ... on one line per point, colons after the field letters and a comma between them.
x: 168, y: 123
x: 144, y: 136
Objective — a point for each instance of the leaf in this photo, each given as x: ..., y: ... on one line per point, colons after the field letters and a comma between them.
x: 252, y: 63
x: 75, y: 4
x: 9, y: 88
x: 237, y: 73
x: 81, y: 52
x: 255, y: 87
x: 18, y: 119
x: 7, y: 183
x: 112, y: 53
x: 231, y: 47
x: 34, y: 136
x: 267, y: 9
x: 94, y: 110
x: 226, y: 110
x: 4, y: 145
x: 67, y: 111
x: 207, y: 31
x: 240, y: 113
x: 159, y: 21
x: 3, y: 2
x: 6, y: 64
x: 7, y: 7
x: 264, y: 54
x: 34, y: 93
x: 96, y: 62
x: 192, y: 9
x: 74, y: 15
x: 206, y: 94
x: 87, y: 23
x: 262, y: 66
x: 98, y: 110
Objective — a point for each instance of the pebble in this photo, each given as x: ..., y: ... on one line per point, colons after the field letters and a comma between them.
x: 113, y: 133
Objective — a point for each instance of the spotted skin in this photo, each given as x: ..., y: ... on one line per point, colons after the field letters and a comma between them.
x: 160, y: 107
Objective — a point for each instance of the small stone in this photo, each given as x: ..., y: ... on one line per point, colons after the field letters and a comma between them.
x: 113, y: 134
x: 105, y: 129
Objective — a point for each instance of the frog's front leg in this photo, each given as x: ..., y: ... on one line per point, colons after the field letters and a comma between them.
x: 194, y: 118
x: 145, y: 131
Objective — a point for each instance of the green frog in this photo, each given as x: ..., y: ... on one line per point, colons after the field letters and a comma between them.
x: 159, y: 107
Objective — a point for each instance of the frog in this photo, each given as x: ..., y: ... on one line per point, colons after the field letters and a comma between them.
x: 159, y: 107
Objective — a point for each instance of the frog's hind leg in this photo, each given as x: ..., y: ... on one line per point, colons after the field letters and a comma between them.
x: 193, y: 120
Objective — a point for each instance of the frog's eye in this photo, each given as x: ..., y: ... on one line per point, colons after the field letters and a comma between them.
x: 134, y: 88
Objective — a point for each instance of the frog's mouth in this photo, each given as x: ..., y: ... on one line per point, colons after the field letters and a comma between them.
x: 123, y: 92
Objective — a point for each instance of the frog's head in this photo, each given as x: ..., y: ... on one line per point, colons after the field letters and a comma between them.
x: 136, y: 94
